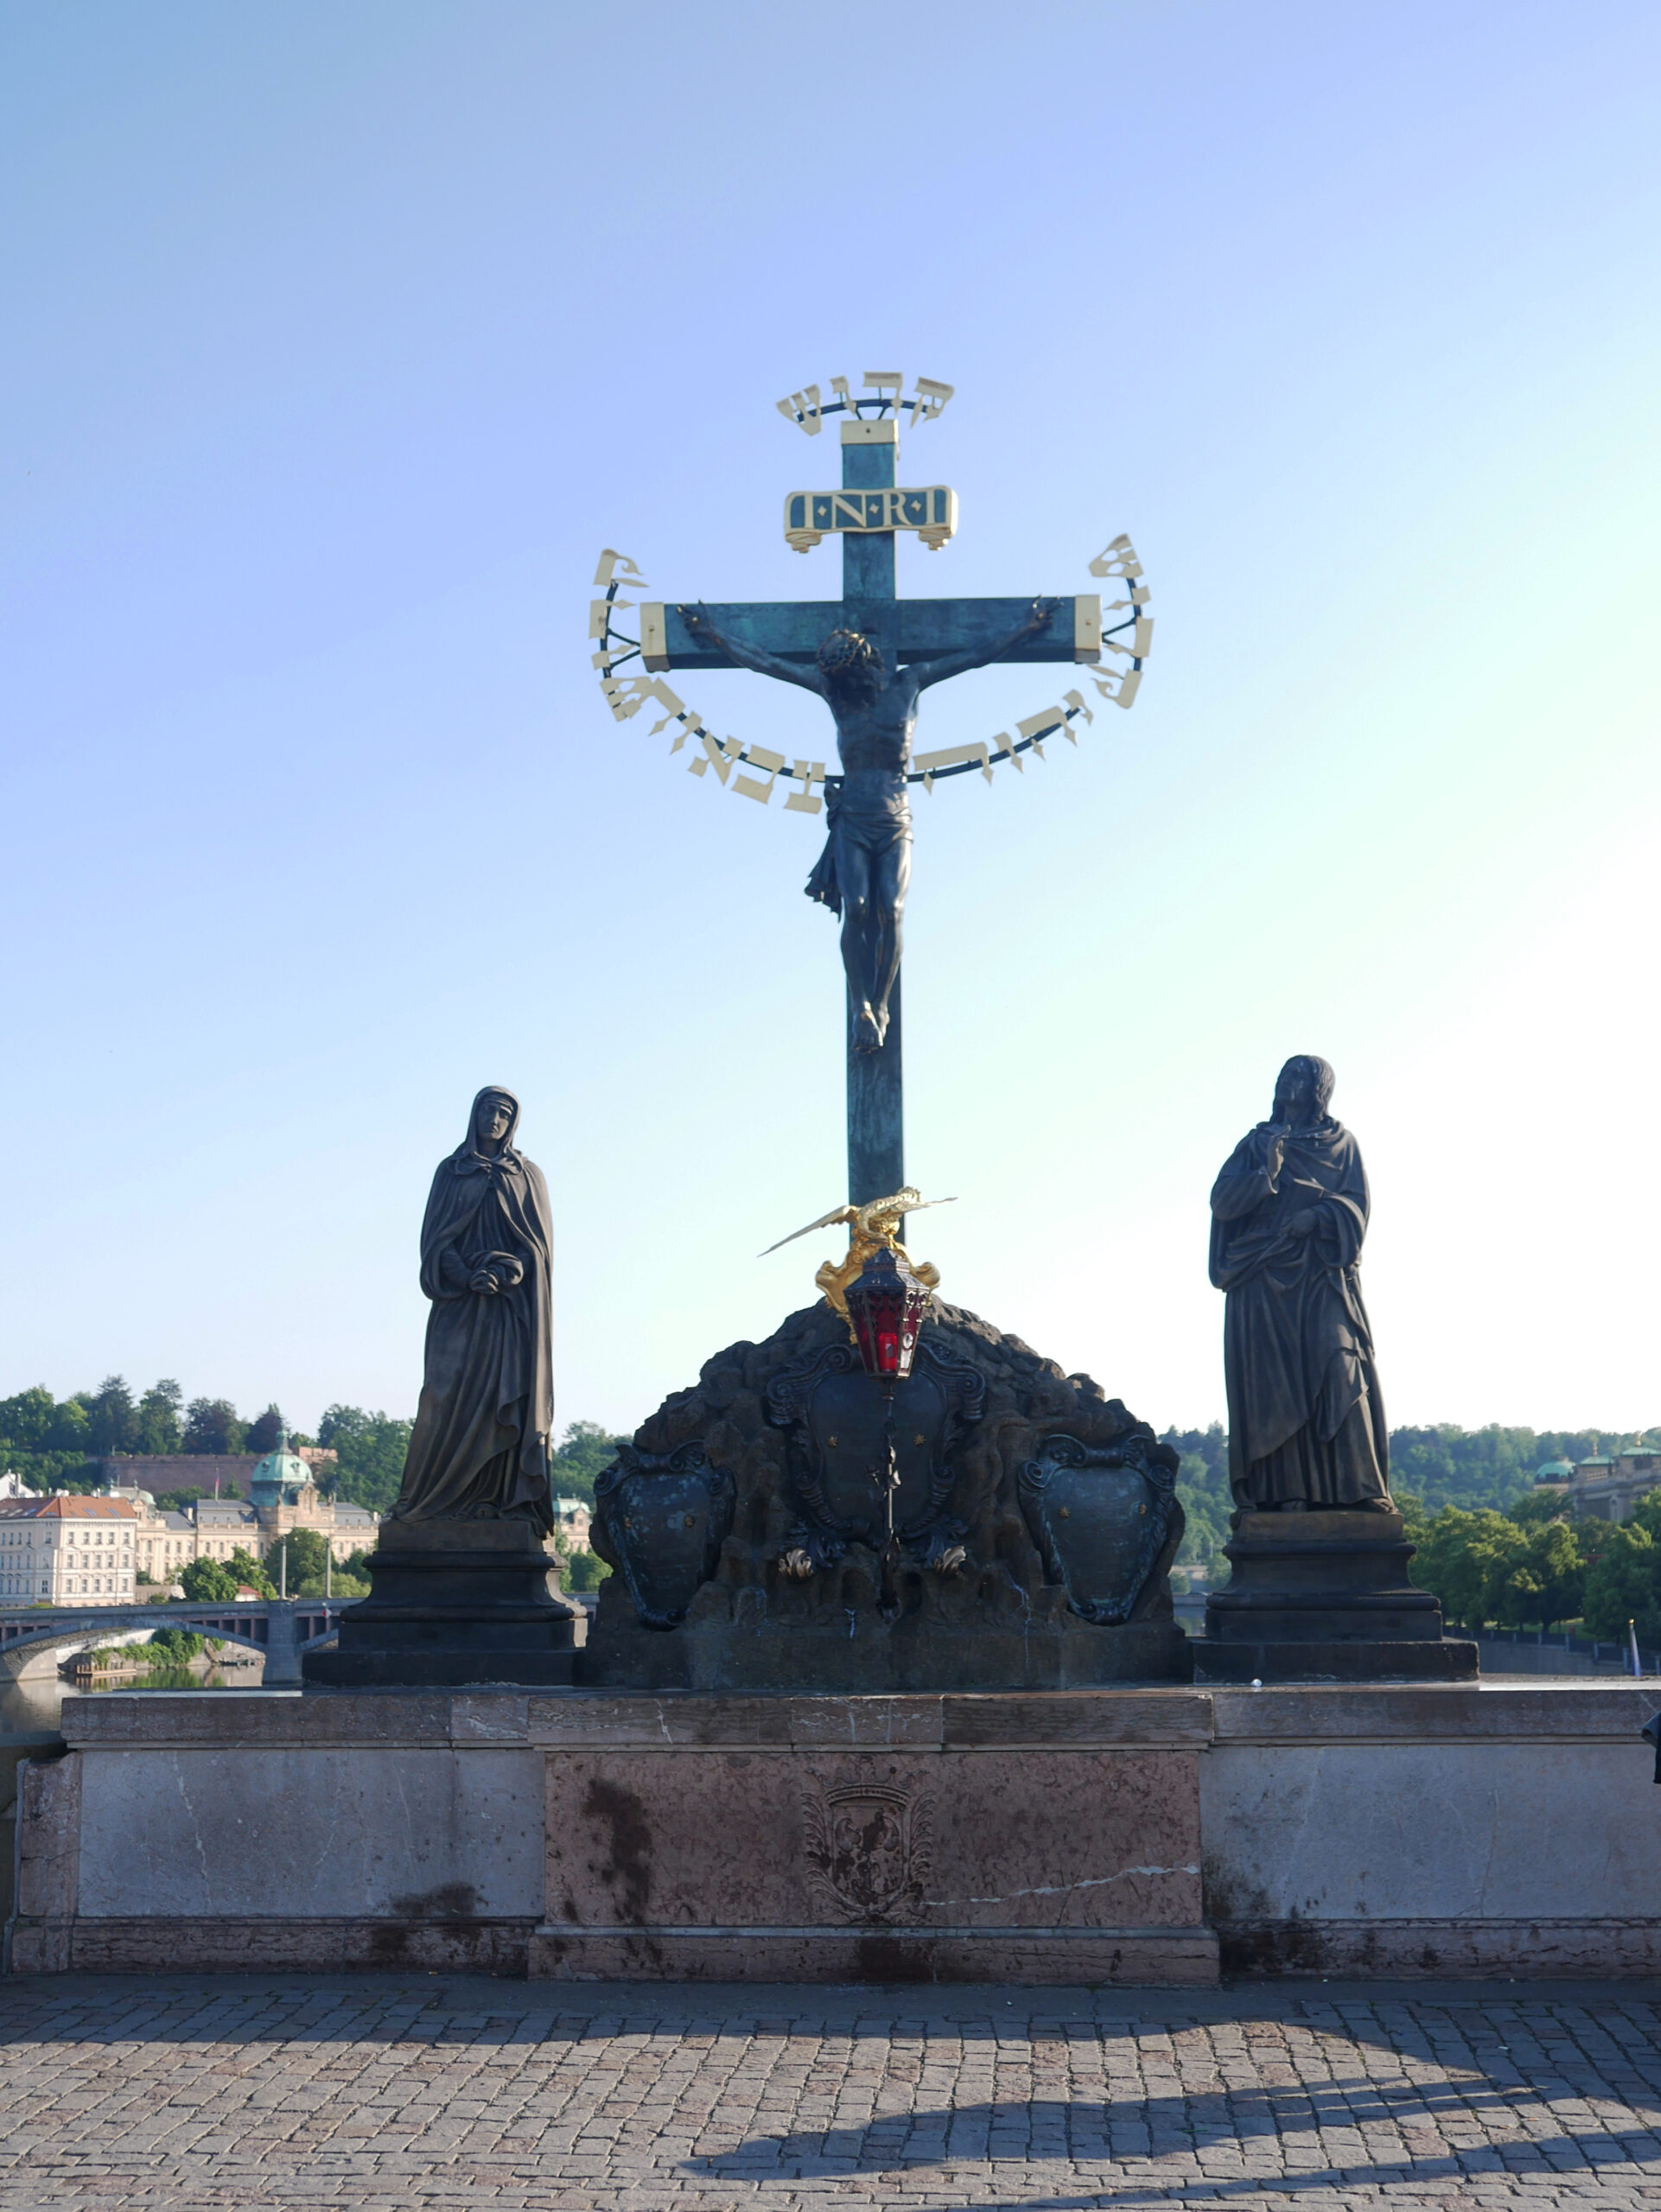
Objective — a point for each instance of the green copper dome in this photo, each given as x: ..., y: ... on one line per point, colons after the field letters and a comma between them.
x: 279, y: 1478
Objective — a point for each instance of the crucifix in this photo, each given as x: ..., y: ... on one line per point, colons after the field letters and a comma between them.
x: 869, y: 655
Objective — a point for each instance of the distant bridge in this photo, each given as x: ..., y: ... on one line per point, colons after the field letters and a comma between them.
x: 278, y: 1629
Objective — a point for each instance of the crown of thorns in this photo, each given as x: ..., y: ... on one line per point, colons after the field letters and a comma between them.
x: 845, y: 648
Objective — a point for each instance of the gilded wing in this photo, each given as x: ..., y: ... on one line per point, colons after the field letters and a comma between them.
x: 825, y: 1221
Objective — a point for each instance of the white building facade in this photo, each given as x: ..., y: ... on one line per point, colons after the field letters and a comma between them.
x: 284, y: 1498
x: 66, y: 1551
x: 69, y: 1550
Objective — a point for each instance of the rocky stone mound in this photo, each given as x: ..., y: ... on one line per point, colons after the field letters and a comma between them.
x: 992, y: 1618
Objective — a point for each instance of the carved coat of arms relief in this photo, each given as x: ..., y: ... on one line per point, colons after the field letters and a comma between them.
x: 867, y: 1846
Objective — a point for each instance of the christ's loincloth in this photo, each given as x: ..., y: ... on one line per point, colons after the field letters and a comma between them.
x: 867, y: 808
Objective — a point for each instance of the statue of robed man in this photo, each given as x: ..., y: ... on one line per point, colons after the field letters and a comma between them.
x: 482, y: 1445
x: 1306, y: 1418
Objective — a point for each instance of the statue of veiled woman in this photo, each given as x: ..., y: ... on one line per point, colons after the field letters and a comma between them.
x: 1306, y: 1417
x: 482, y: 1445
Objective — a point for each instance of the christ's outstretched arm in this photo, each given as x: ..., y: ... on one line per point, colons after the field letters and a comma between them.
x: 924, y: 672
x: 764, y: 663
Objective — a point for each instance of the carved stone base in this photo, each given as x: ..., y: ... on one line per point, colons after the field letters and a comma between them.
x: 1324, y: 1596
x: 1092, y: 1835
x: 865, y: 1657
x: 1035, y: 1522
x: 452, y: 1602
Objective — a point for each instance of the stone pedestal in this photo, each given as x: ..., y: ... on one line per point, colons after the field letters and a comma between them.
x: 1036, y: 1521
x: 1115, y: 1836
x: 1325, y: 1596
x: 751, y: 1648
x: 452, y: 1602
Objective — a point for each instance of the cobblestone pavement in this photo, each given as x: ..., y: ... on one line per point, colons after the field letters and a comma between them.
x: 205, y: 2092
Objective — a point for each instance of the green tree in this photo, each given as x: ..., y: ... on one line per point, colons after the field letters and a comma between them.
x: 46, y: 1442
x: 1548, y: 1585
x: 177, y: 1644
x: 26, y: 1421
x: 111, y: 1417
x: 1623, y: 1573
x: 211, y: 1427
x: 306, y: 1553
x: 157, y: 1424
x: 1449, y: 1465
x: 245, y: 1567
x: 1534, y: 1509
x: 208, y: 1580
x: 1518, y: 1569
x: 372, y: 1447
x: 1202, y: 1487
x: 265, y: 1433
x: 1623, y: 1584
x: 181, y: 1500
x: 71, y: 1428
x: 218, y: 1580
x: 584, y: 1453
x: 583, y: 1571
x: 1466, y: 1559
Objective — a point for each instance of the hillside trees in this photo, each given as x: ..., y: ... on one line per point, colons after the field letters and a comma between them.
x: 372, y: 1448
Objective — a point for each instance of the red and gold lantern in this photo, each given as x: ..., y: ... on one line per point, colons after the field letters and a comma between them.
x: 887, y: 1304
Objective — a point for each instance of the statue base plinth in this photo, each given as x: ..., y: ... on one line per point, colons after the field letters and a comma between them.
x: 1354, y: 1660
x: 1324, y: 1596
x: 452, y: 1603
x: 870, y: 1657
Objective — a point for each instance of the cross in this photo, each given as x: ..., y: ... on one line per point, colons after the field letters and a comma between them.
x: 867, y: 511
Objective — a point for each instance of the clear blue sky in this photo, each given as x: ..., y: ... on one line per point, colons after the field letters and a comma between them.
x: 337, y: 342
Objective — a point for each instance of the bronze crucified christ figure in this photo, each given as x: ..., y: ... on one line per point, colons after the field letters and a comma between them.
x: 864, y: 871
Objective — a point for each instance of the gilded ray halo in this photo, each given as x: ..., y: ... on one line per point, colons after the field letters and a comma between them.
x: 934, y: 521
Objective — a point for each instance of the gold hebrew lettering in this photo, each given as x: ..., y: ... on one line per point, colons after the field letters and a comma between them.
x: 1142, y: 640
x: 675, y: 709
x: 714, y: 756
x: 950, y: 756
x: 610, y: 562
x: 1040, y: 725
x: 751, y: 786
x: 802, y: 408
x: 626, y: 695
x: 1119, y: 559
x: 807, y: 773
x: 1120, y: 688
x: 931, y: 400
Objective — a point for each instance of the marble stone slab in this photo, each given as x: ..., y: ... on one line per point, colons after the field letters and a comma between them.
x: 408, y: 1834
x: 897, y: 1838
x: 1439, y: 1831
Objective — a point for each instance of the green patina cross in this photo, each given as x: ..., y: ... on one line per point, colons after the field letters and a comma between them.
x: 832, y: 646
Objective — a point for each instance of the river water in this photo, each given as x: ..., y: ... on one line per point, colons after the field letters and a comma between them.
x: 30, y: 1709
